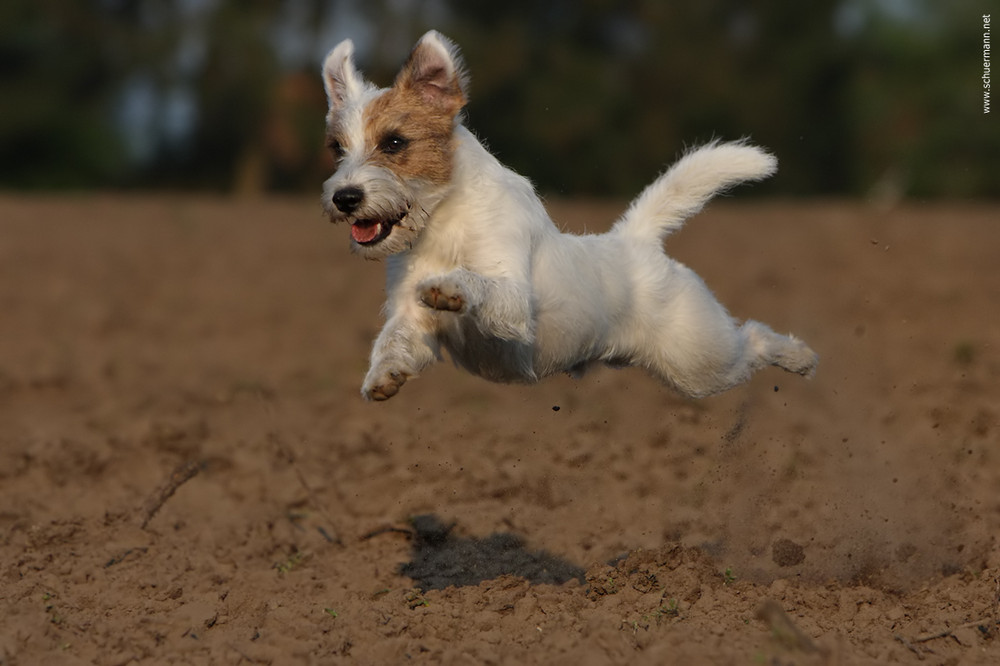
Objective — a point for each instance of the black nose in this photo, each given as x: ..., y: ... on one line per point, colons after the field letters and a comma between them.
x: 348, y: 199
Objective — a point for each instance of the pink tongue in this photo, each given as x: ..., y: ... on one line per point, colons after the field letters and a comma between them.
x: 365, y: 231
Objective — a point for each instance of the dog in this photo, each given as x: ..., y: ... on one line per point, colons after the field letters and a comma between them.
x: 476, y: 267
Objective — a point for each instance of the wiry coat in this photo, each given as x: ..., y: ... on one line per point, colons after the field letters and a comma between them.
x: 476, y: 266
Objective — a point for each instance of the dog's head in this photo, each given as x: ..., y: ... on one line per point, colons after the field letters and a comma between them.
x: 392, y: 147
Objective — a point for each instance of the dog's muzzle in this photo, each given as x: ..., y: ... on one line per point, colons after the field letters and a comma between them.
x: 369, y: 230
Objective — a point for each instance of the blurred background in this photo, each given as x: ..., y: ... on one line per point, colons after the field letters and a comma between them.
x: 869, y: 98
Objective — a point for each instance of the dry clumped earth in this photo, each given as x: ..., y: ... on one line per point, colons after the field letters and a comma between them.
x: 188, y: 474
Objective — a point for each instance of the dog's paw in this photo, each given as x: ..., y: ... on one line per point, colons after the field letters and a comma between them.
x: 382, y: 385
x: 796, y: 356
x: 442, y: 295
x: 800, y: 359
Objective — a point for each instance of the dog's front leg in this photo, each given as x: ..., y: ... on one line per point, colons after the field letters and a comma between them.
x: 500, y: 306
x: 401, y: 351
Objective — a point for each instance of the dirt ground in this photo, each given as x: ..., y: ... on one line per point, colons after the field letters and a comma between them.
x: 188, y: 474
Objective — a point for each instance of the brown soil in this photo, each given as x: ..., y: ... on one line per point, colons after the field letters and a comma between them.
x: 188, y: 474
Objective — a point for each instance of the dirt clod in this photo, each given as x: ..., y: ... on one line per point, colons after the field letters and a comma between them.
x: 787, y: 553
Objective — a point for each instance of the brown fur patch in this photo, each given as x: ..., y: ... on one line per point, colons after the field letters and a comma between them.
x: 427, y: 129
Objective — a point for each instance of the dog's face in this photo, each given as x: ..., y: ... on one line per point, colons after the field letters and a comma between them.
x: 392, y: 147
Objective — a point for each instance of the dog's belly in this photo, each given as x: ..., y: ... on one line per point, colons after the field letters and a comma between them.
x: 584, y: 296
x: 560, y: 348
x: 490, y: 357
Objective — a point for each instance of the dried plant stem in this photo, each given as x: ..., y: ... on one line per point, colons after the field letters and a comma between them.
x: 181, y: 475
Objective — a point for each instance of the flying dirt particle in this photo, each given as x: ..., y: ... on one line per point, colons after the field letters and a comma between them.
x: 555, y: 408
x: 786, y: 553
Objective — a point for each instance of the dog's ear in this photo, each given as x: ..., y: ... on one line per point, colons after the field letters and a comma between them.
x: 435, y: 71
x: 340, y: 78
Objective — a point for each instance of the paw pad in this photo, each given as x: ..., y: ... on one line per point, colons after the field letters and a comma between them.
x: 385, y: 389
x: 434, y: 297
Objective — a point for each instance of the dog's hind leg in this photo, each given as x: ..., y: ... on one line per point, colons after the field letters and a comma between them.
x: 728, y: 357
x: 765, y: 347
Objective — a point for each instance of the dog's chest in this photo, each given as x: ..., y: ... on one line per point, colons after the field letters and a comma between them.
x: 430, y: 257
x: 445, y: 245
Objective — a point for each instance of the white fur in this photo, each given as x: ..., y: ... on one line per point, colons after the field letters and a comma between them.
x: 484, y: 273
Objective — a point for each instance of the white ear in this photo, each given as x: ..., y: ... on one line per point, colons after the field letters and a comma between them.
x: 436, y: 71
x: 340, y: 78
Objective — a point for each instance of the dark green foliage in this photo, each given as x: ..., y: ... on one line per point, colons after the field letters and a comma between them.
x: 584, y: 97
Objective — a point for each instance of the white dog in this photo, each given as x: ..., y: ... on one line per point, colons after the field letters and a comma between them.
x: 476, y: 266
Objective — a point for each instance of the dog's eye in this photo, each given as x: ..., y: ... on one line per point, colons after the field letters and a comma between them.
x: 393, y: 143
x: 335, y: 147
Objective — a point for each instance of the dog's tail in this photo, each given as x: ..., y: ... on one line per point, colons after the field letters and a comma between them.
x: 688, y: 185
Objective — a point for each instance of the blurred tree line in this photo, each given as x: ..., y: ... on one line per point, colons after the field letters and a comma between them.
x: 856, y: 97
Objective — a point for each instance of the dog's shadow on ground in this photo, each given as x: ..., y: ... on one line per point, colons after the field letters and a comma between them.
x: 441, y: 559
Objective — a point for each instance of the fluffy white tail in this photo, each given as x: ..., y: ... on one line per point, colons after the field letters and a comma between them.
x: 689, y: 184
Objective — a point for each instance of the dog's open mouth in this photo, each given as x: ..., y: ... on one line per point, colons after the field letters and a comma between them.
x: 371, y: 231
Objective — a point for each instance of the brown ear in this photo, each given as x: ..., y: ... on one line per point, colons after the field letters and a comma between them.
x: 435, y: 71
